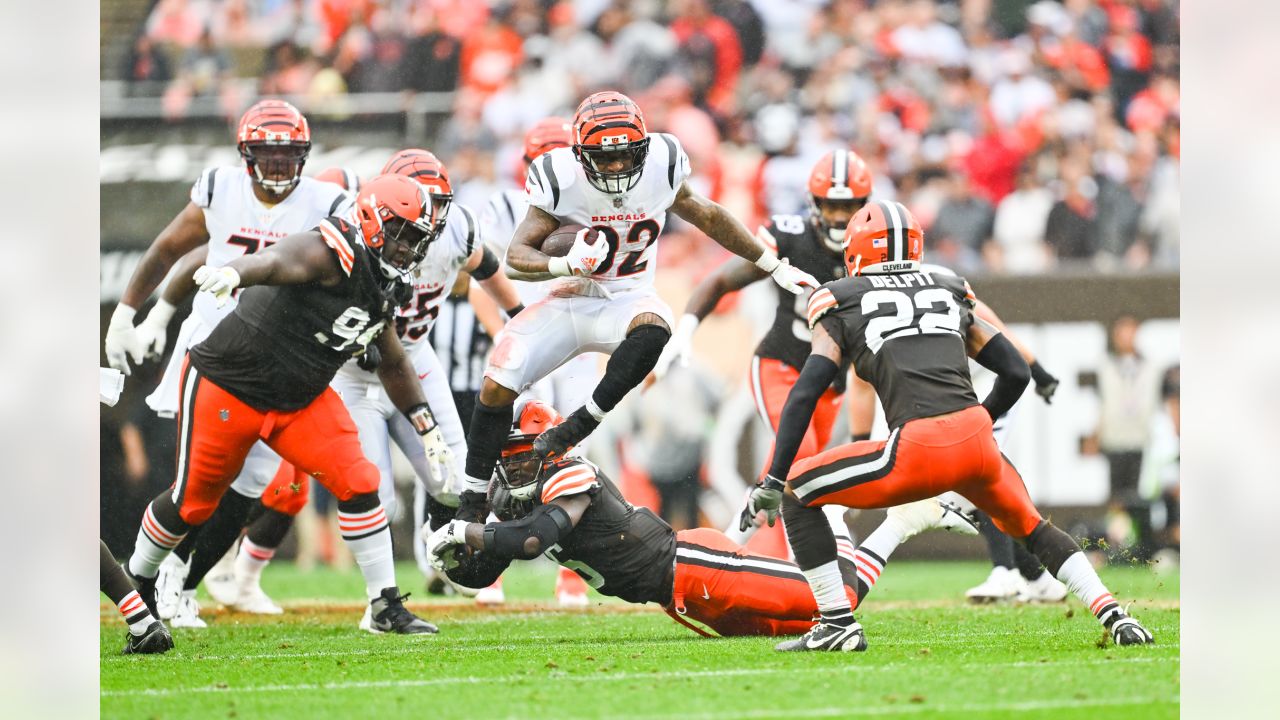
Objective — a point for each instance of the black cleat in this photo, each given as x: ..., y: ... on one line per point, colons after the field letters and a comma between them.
x: 558, y: 440
x: 146, y: 588
x: 1127, y: 631
x: 825, y: 637
x: 154, y: 641
x: 389, y: 615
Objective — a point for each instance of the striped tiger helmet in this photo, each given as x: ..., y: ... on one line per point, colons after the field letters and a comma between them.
x: 519, y: 469
x: 274, y: 139
x: 397, y: 221
x: 610, y: 141
x: 426, y: 168
x: 344, y: 178
x: 883, y: 237
x: 838, y: 188
x: 546, y: 134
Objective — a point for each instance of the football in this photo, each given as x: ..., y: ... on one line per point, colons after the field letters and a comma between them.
x: 558, y: 243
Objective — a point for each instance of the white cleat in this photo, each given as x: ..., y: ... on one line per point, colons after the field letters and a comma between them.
x: 188, y: 615
x: 571, y: 599
x: 169, y: 581
x: 1001, y: 585
x: 221, y: 580
x: 491, y: 595
x: 1044, y: 589
x: 254, y: 600
x: 366, y: 622
x: 914, y: 518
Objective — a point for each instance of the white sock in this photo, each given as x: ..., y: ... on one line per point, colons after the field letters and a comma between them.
x: 368, y: 534
x: 828, y: 589
x: 1080, y: 578
x: 250, y: 561
x: 135, y: 613
x: 153, y: 544
x: 871, y: 557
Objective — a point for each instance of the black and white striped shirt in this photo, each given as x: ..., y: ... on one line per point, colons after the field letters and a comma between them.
x: 461, y: 343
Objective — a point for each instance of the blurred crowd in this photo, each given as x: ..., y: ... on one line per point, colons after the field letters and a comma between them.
x: 1026, y: 136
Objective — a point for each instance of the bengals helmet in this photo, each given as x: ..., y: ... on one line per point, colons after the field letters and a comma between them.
x: 274, y: 139
x: 518, y: 469
x: 426, y: 168
x: 547, y: 134
x: 839, y: 184
x: 397, y: 222
x: 342, y: 177
x: 610, y: 141
x: 883, y: 237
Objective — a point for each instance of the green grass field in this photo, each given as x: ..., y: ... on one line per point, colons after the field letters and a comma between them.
x: 930, y: 655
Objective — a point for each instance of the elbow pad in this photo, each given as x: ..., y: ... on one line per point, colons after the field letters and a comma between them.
x: 547, y: 524
x: 488, y: 265
x: 1012, y: 374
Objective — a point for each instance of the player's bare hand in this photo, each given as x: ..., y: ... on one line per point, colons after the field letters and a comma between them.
x: 122, y: 342
x: 219, y: 281
x: 765, y: 497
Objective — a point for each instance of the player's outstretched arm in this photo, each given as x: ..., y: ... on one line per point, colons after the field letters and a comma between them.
x: 993, y: 351
x: 397, y: 375
x: 524, y: 260
x: 820, y: 369
x: 720, y: 225
x: 1046, y: 383
x: 183, y: 234
x: 528, y: 537
x: 483, y: 265
x: 731, y: 276
x: 153, y: 330
x: 296, y: 260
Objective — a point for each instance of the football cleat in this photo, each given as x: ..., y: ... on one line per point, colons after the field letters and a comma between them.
x: 825, y: 637
x: 1127, y: 631
x: 155, y: 640
x: 916, y: 517
x: 188, y: 612
x: 571, y: 589
x: 169, y: 580
x: 558, y: 440
x: 253, y: 600
x: 1045, y: 588
x: 1002, y: 584
x: 146, y: 588
x: 221, y: 579
x: 491, y: 595
x: 387, y: 614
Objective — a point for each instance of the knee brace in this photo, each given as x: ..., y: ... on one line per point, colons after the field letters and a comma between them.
x: 808, y: 533
x: 1051, y: 545
x: 634, y: 359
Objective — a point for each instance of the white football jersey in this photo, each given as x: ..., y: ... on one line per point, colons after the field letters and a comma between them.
x: 239, y: 224
x: 631, y: 222
x: 435, y: 276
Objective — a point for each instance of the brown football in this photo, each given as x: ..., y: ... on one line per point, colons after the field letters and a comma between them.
x: 558, y: 242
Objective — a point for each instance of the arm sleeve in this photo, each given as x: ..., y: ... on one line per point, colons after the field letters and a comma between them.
x: 547, y: 524
x: 814, y: 379
x: 1012, y: 374
x: 488, y: 265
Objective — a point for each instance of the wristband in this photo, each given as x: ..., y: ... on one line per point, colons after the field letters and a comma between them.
x: 687, y: 326
x: 421, y: 418
x: 859, y: 437
x: 768, y: 262
x: 559, y: 267
x: 515, y: 310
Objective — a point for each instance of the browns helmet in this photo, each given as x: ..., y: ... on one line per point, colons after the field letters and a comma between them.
x: 838, y: 185
x: 518, y: 469
x: 274, y: 139
x: 883, y: 237
x: 546, y: 134
x: 342, y: 177
x: 426, y: 168
x: 610, y: 141
x: 397, y: 222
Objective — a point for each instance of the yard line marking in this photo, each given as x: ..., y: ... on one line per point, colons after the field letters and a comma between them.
x: 586, y: 677
x: 917, y: 708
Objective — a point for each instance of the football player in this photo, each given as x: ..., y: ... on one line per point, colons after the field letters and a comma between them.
x: 568, y: 387
x: 908, y: 332
x: 315, y: 299
x: 233, y: 211
x: 569, y: 510
x: 617, y: 181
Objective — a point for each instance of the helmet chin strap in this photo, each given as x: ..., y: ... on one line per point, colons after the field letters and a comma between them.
x: 275, y: 187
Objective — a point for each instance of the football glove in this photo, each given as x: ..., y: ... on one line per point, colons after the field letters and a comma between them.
x: 472, y: 506
x: 153, y: 331
x: 370, y: 358
x: 1046, y: 384
x: 679, y: 347
x: 442, y: 543
x: 791, y: 279
x: 122, y: 341
x: 765, y: 497
x: 219, y: 281
x: 438, y: 454
x: 582, y: 259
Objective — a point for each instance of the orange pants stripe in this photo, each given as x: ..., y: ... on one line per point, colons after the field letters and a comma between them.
x: 922, y: 459
x: 732, y: 592
x: 288, y: 491
x: 216, y: 430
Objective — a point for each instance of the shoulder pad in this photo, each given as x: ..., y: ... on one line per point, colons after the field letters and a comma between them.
x: 202, y: 189
x: 470, y: 231
x: 821, y: 302
x: 548, y: 178
x: 336, y: 233
x: 571, y: 479
x: 678, y: 168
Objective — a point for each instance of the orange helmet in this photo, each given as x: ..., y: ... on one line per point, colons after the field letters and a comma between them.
x: 274, y: 140
x: 342, y: 177
x: 883, y: 237
x: 426, y: 168
x: 518, y: 469
x: 607, y: 128
x: 397, y: 221
x: 840, y: 181
x: 546, y: 134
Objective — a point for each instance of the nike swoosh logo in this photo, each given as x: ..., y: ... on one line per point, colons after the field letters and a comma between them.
x: 424, y: 375
x: 705, y: 595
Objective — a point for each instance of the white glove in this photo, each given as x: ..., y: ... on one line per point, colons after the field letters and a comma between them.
x: 791, y: 279
x: 765, y: 497
x: 110, y: 385
x: 122, y: 340
x: 582, y: 259
x: 439, y: 459
x: 440, y: 544
x: 220, y: 281
x: 153, y: 331
x: 679, y: 347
